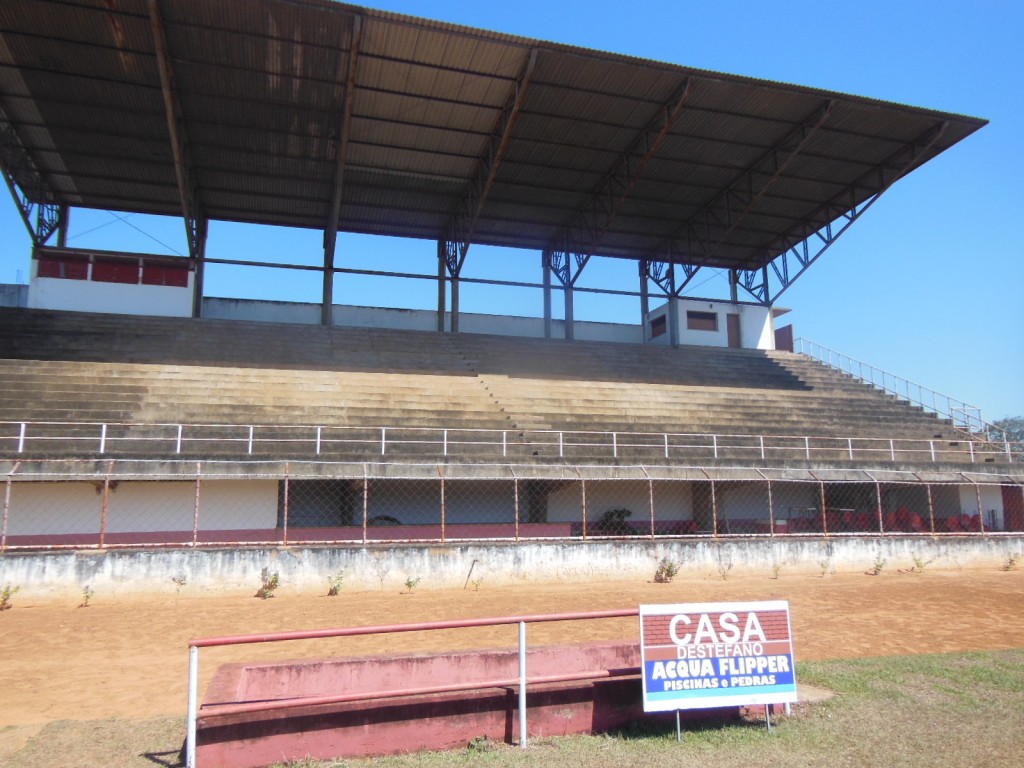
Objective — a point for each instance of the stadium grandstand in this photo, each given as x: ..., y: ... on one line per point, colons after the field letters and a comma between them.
x: 139, y: 415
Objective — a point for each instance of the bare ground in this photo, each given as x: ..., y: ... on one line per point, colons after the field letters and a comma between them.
x: 127, y: 659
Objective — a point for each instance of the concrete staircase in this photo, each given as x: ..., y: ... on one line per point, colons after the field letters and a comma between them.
x: 135, y: 374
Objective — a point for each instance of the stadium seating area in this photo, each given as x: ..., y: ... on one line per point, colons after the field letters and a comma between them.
x: 66, y: 373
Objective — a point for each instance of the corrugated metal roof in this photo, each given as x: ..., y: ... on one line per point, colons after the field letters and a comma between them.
x: 263, y: 89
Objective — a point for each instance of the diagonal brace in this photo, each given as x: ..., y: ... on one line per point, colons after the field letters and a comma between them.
x: 790, y: 255
x: 463, y: 224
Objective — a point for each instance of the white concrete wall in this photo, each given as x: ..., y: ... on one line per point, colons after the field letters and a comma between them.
x: 65, y: 508
x: 115, y: 298
x: 672, y: 501
x: 991, y: 503
x: 304, y: 570
x: 413, y: 320
x: 757, y: 328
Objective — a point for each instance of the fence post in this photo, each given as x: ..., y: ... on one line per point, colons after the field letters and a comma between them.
x: 878, y: 494
x: 366, y: 501
x: 195, y: 510
x: 771, y: 509
x: 106, y: 505
x: 21, y: 438
x: 931, y: 508
x: 7, y: 506
x: 440, y: 472
x: 650, y: 490
x: 583, y: 501
x: 284, y: 521
x: 714, y: 509
x: 824, y: 510
x: 515, y: 492
x: 981, y: 510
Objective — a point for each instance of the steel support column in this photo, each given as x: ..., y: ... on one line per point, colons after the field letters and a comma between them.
x: 545, y: 260
x: 645, y: 298
x: 561, y: 264
x: 347, y: 68
x: 442, y: 291
x: 184, y: 173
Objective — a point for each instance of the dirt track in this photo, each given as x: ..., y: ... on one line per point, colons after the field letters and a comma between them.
x: 128, y: 659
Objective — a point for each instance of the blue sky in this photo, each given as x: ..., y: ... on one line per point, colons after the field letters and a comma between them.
x: 929, y: 284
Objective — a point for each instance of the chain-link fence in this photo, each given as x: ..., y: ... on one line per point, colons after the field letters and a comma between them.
x: 109, y: 505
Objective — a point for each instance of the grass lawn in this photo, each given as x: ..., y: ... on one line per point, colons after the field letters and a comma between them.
x: 962, y: 709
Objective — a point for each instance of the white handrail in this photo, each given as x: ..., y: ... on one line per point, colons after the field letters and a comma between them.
x: 965, y: 417
x: 22, y: 438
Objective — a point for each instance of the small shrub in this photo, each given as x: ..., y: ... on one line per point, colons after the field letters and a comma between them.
x: 268, y: 583
x: 475, y: 583
x: 777, y: 569
x: 825, y: 566
x: 724, y: 566
x: 334, y: 583
x: 1010, y: 563
x: 919, y: 565
x: 613, y: 523
x: 179, y: 582
x: 877, y: 566
x: 667, y: 570
x: 481, y: 744
x: 87, y: 593
x: 410, y: 582
x: 5, y: 597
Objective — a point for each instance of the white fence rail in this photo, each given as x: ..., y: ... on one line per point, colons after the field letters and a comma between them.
x: 965, y: 417
x: 36, y: 439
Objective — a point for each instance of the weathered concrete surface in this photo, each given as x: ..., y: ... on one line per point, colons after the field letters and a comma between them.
x: 237, y: 570
x: 410, y: 723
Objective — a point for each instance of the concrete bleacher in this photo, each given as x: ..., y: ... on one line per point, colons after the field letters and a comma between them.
x: 91, y: 369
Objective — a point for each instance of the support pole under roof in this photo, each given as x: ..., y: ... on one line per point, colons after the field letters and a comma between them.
x: 188, y: 187
x: 341, y: 160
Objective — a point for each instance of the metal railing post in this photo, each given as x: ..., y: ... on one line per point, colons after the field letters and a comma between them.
x: 522, y: 683
x: 177, y: 442
x: 192, y: 707
x: 21, y: 438
x: 195, y: 508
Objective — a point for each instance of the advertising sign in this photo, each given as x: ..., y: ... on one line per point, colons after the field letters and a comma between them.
x: 701, y: 655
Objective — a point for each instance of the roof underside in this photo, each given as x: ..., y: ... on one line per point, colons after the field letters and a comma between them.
x: 307, y: 112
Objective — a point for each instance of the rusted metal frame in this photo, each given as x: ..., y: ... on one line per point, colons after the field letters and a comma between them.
x: 188, y: 188
x: 585, y: 231
x: 285, y: 504
x: 33, y: 196
x: 833, y: 218
x: 650, y: 491
x: 341, y: 160
x: 440, y: 474
x: 464, y: 222
x: 559, y: 263
x: 709, y: 228
x: 7, y: 505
